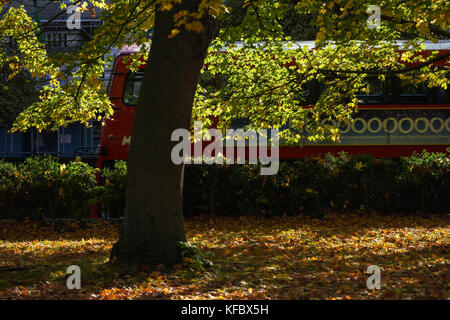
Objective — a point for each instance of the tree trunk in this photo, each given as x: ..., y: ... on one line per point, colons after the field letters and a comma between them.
x: 153, y: 222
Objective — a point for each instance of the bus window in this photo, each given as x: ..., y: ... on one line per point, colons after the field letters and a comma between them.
x: 212, y: 83
x: 310, y: 92
x: 373, y: 92
x: 132, y: 88
x: 412, y: 92
x: 438, y: 95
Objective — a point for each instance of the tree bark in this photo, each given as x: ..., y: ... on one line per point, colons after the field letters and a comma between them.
x: 153, y: 221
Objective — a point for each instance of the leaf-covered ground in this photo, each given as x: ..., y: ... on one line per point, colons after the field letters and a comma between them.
x: 253, y: 258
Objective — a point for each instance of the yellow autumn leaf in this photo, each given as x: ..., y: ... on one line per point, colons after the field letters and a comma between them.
x: 422, y: 26
x: 166, y: 7
x: 180, y: 14
x: 359, y: 166
x: 173, y: 33
x: 194, y: 26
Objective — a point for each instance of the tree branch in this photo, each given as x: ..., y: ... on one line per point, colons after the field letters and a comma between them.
x: 400, y: 71
x: 433, y: 28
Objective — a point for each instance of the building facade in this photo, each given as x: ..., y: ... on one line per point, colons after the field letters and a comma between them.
x: 58, y: 35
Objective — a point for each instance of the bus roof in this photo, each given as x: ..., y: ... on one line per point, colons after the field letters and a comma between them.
x: 440, y: 45
x: 129, y: 49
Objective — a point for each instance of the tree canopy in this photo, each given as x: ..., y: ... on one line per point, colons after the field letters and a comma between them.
x: 16, y: 95
x: 262, y: 82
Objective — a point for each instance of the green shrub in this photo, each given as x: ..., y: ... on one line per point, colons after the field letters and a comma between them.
x: 343, y: 181
x: 111, y: 196
x: 13, y: 201
x: 42, y: 187
x: 78, y: 188
x: 424, y: 182
x: 359, y: 181
x: 42, y: 184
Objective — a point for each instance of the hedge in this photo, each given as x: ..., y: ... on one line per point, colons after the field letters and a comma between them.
x: 44, y: 188
x: 41, y: 187
x: 419, y: 183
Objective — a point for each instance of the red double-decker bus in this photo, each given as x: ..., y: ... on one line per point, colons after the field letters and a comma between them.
x: 393, y: 120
